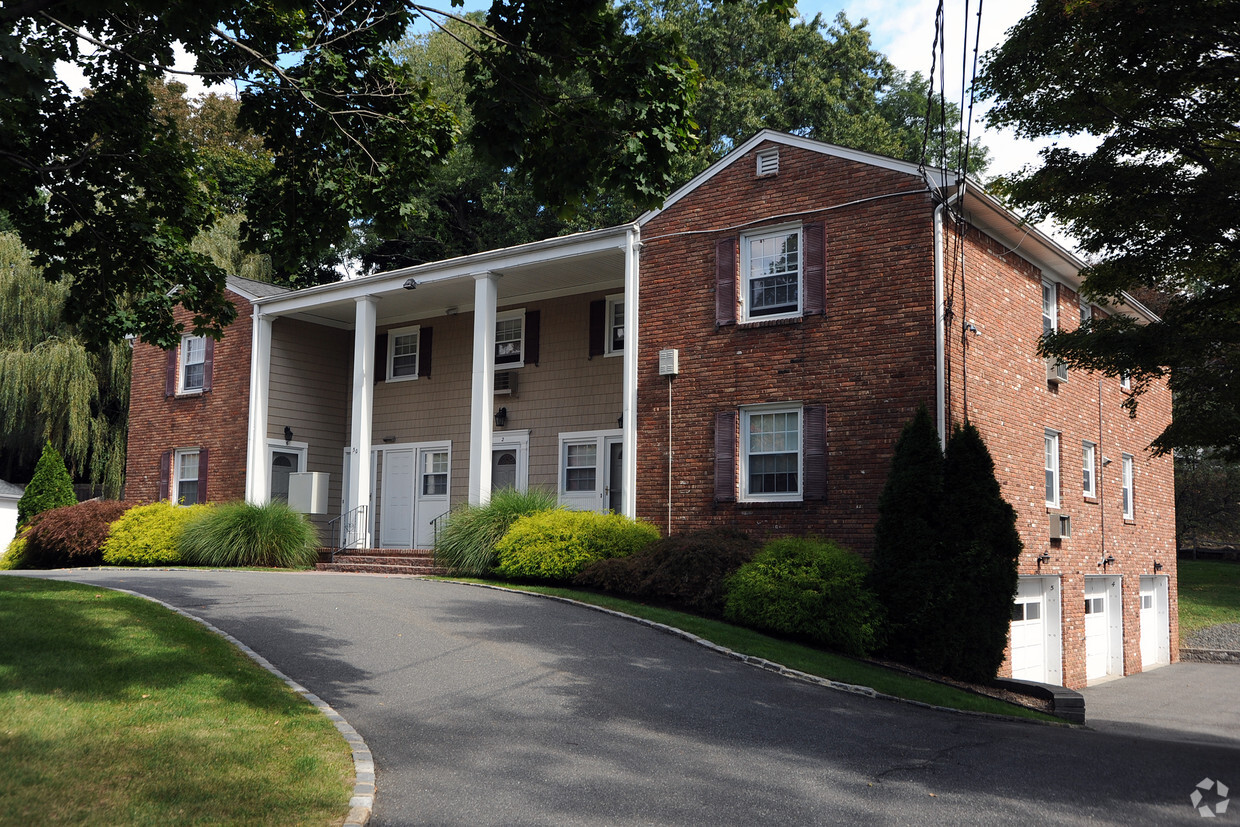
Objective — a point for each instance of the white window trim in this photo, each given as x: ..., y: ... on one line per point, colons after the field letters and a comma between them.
x: 1089, y: 450
x: 743, y: 281
x: 302, y: 449
x: 1053, y: 467
x: 612, y: 302
x: 743, y: 454
x: 183, y: 363
x: 414, y: 331
x: 1128, y: 489
x: 1087, y: 312
x: 1054, y: 305
x: 508, y: 315
x: 178, y: 459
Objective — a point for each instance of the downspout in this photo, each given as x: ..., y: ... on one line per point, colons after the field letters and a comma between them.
x: 940, y: 344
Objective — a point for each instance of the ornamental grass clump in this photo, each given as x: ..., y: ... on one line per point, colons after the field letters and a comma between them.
x: 466, y: 543
x: 147, y: 535
x: 270, y: 535
x: 556, y: 545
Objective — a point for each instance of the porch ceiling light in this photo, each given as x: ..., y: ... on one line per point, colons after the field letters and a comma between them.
x: 410, y: 284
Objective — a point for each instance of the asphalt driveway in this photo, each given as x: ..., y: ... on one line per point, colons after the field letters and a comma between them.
x: 485, y: 707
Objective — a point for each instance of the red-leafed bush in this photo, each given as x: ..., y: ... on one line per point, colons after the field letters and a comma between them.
x: 71, y: 535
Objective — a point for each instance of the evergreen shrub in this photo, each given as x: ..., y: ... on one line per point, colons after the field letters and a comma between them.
x: 687, y: 570
x: 466, y: 543
x: 809, y: 589
x: 147, y: 535
x: 556, y: 545
x: 50, y: 487
x: 242, y: 534
x: 14, y: 556
x: 72, y: 535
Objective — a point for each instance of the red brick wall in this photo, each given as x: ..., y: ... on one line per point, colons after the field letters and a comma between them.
x: 1012, y: 404
x: 215, y: 420
x: 869, y: 360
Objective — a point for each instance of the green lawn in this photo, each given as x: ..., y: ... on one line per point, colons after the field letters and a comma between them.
x: 794, y: 655
x: 1209, y: 594
x: 114, y: 710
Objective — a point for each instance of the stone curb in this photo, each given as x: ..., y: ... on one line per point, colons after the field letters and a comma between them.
x: 363, y: 799
x: 767, y: 665
x: 1191, y: 653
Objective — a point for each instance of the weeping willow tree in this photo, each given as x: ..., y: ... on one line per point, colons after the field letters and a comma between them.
x: 52, y: 388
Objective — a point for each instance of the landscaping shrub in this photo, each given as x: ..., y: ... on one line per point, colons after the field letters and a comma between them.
x: 556, y: 545
x: 809, y: 589
x: 466, y: 543
x: 687, y: 570
x: 147, y: 535
x: 72, y: 535
x: 14, y: 556
x: 50, y: 487
x: 242, y: 534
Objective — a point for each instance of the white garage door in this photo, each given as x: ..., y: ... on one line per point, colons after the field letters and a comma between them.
x: 1097, y: 650
x: 1155, y: 622
x: 1028, y: 633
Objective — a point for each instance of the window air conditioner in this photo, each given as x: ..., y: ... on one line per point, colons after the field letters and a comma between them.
x: 506, y: 381
x: 1060, y: 526
x: 1056, y: 371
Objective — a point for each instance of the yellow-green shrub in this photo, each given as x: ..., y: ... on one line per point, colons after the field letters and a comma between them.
x: 555, y: 545
x: 148, y: 534
x: 14, y: 556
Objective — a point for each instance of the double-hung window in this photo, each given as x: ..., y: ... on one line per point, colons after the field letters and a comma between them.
x: 1050, y: 309
x: 1127, y: 486
x: 434, y: 473
x: 193, y: 364
x: 615, y: 325
x: 185, y: 477
x: 1089, y: 458
x: 771, y: 274
x: 771, y: 453
x: 1087, y: 312
x: 1051, y: 446
x: 510, y: 339
x: 402, y: 353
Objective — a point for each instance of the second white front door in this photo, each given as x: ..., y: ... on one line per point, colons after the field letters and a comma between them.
x: 415, y: 481
x: 591, y: 470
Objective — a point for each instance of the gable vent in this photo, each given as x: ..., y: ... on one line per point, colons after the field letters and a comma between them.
x: 768, y: 162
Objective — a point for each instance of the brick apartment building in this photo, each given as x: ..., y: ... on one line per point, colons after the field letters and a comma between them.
x: 745, y: 355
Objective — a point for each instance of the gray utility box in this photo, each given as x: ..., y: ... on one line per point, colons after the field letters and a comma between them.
x: 307, y: 492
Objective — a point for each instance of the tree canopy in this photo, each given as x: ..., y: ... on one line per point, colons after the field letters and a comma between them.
x: 1155, y: 206
x: 104, y: 188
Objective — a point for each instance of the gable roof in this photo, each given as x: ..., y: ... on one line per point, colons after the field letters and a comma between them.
x: 11, y: 491
x: 251, y: 289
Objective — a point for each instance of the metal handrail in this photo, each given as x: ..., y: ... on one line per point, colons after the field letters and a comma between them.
x: 437, y: 526
x: 347, y: 529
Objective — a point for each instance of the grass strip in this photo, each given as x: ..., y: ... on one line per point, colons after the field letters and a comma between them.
x: 793, y: 655
x: 114, y: 710
x: 1209, y: 594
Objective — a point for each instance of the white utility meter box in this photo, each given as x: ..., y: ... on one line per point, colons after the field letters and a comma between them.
x: 307, y: 492
x: 669, y: 362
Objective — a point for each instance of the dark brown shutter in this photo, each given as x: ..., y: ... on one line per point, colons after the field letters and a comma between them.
x: 170, y: 373
x: 208, y: 360
x: 725, y: 456
x: 725, y: 281
x: 815, y: 269
x: 381, y: 357
x: 424, y: 351
x: 165, y: 473
x: 531, y: 337
x: 598, y: 328
x: 815, y: 459
x: 202, y: 475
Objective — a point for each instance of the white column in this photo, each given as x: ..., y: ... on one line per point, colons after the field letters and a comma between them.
x: 482, y: 399
x: 257, y: 466
x: 632, y: 254
x: 363, y: 409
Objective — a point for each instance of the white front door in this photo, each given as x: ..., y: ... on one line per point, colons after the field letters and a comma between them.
x: 1097, y: 652
x: 432, y: 498
x: 396, y: 514
x: 1028, y: 632
x: 591, y: 470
